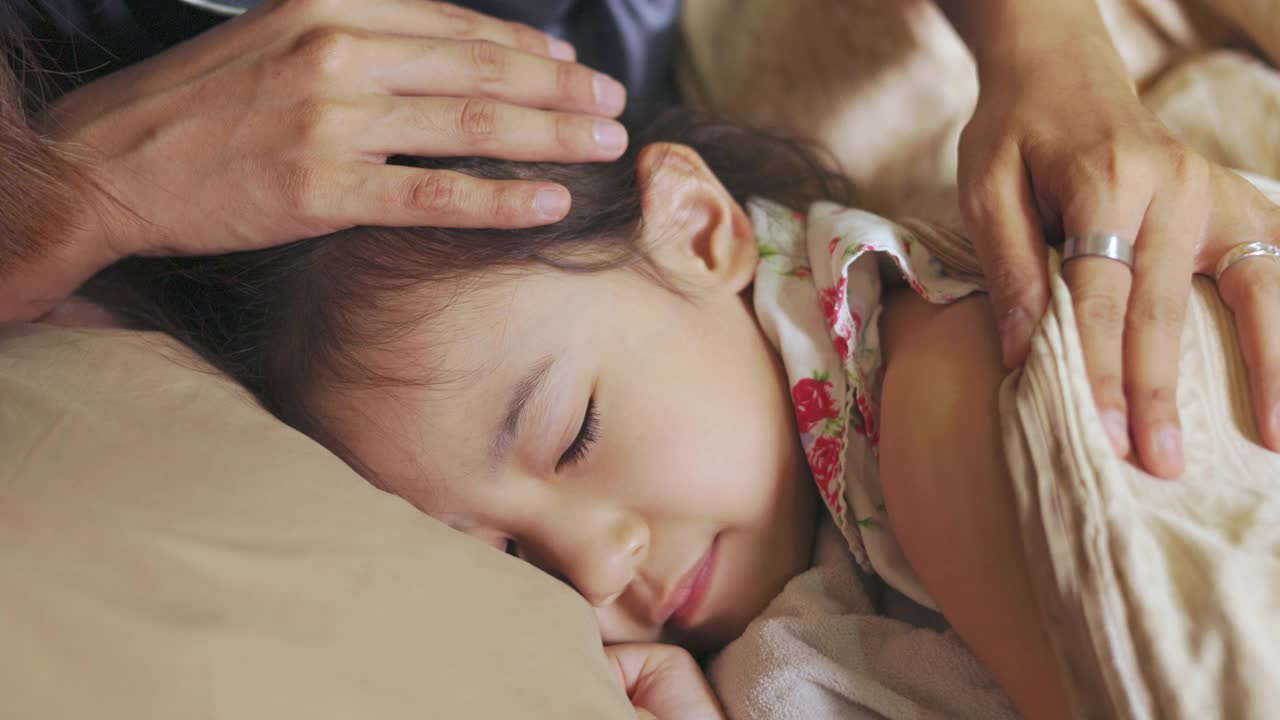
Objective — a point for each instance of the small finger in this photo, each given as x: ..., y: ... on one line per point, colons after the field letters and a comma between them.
x: 1163, y: 266
x: 1251, y: 288
x: 1100, y: 297
x: 483, y: 68
x: 453, y: 127
x: 1001, y: 216
x: 392, y: 195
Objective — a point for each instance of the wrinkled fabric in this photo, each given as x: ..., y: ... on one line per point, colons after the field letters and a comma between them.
x: 821, y: 650
x: 817, y: 297
x: 1163, y: 596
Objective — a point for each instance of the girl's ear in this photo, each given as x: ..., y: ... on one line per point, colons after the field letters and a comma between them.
x: 692, y: 225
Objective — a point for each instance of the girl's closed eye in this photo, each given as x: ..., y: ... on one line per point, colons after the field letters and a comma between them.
x: 588, y: 433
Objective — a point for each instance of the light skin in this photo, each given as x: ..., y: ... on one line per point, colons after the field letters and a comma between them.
x: 655, y: 424
x: 282, y: 119
x: 1060, y: 146
x: 276, y: 126
x: 948, y: 492
x: 300, y: 78
x: 693, y: 444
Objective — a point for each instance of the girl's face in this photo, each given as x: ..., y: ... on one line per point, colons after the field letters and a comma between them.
x: 635, y: 443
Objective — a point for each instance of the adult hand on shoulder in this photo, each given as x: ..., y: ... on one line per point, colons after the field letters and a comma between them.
x: 664, y: 682
x: 276, y: 126
x: 1063, y: 148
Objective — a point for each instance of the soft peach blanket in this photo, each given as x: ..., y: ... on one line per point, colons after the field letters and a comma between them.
x: 1164, y: 598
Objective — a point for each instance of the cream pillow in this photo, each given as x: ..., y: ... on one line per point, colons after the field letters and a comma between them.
x: 169, y: 550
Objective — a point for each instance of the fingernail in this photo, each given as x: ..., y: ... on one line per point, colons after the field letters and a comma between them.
x: 560, y: 49
x: 610, y: 136
x: 1015, y: 333
x: 610, y: 95
x: 1117, y: 427
x: 552, y: 203
x: 1167, y: 442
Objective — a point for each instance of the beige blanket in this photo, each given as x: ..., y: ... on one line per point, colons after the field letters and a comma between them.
x: 1164, y: 597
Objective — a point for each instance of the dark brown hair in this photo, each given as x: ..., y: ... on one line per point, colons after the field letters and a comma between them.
x: 284, y: 319
x: 42, y: 183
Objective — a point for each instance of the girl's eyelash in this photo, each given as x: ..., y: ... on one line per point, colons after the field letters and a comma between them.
x: 509, y: 547
x: 587, y: 435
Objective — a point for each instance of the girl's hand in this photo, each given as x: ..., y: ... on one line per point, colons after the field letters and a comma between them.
x: 1062, y: 148
x: 664, y: 682
x: 276, y: 125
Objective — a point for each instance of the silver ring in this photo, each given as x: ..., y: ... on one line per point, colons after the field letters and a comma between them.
x: 1112, y: 247
x: 1244, y: 251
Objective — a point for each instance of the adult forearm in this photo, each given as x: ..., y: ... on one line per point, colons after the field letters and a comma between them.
x: 1006, y: 35
x: 47, y: 248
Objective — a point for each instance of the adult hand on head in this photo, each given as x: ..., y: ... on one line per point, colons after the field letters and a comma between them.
x: 1061, y: 147
x: 276, y: 125
x: 664, y: 682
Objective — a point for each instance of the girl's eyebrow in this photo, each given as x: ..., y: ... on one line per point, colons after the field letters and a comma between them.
x: 532, y: 384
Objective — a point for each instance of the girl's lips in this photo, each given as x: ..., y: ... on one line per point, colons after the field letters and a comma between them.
x: 692, y: 589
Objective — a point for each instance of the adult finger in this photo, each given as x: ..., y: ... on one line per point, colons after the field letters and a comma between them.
x: 1001, y: 216
x: 451, y: 21
x: 1251, y: 288
x: 391, y: 195
x: 1100, y: 294
x: 1163, y: 266
x: 481, y: 68
x: 432, y: 19
x: 449, y: 127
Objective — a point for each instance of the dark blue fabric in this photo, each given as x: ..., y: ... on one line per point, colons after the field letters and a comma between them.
x: 632, y: 40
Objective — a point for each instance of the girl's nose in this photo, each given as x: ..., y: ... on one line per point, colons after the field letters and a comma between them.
x: 601, y: 559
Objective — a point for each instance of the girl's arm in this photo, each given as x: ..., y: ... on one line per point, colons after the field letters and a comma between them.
x: 1060, y: 146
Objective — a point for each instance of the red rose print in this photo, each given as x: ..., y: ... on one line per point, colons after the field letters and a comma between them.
x: 813, y: 401
x: 832, y: 298
x: 824, y: 461
x: 831, y: 249
x: 841, y: 344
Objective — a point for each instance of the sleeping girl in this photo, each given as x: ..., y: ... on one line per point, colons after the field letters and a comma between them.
x: 655, y: 399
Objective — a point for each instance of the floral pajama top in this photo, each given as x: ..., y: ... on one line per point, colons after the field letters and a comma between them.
x: 817, y: 297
